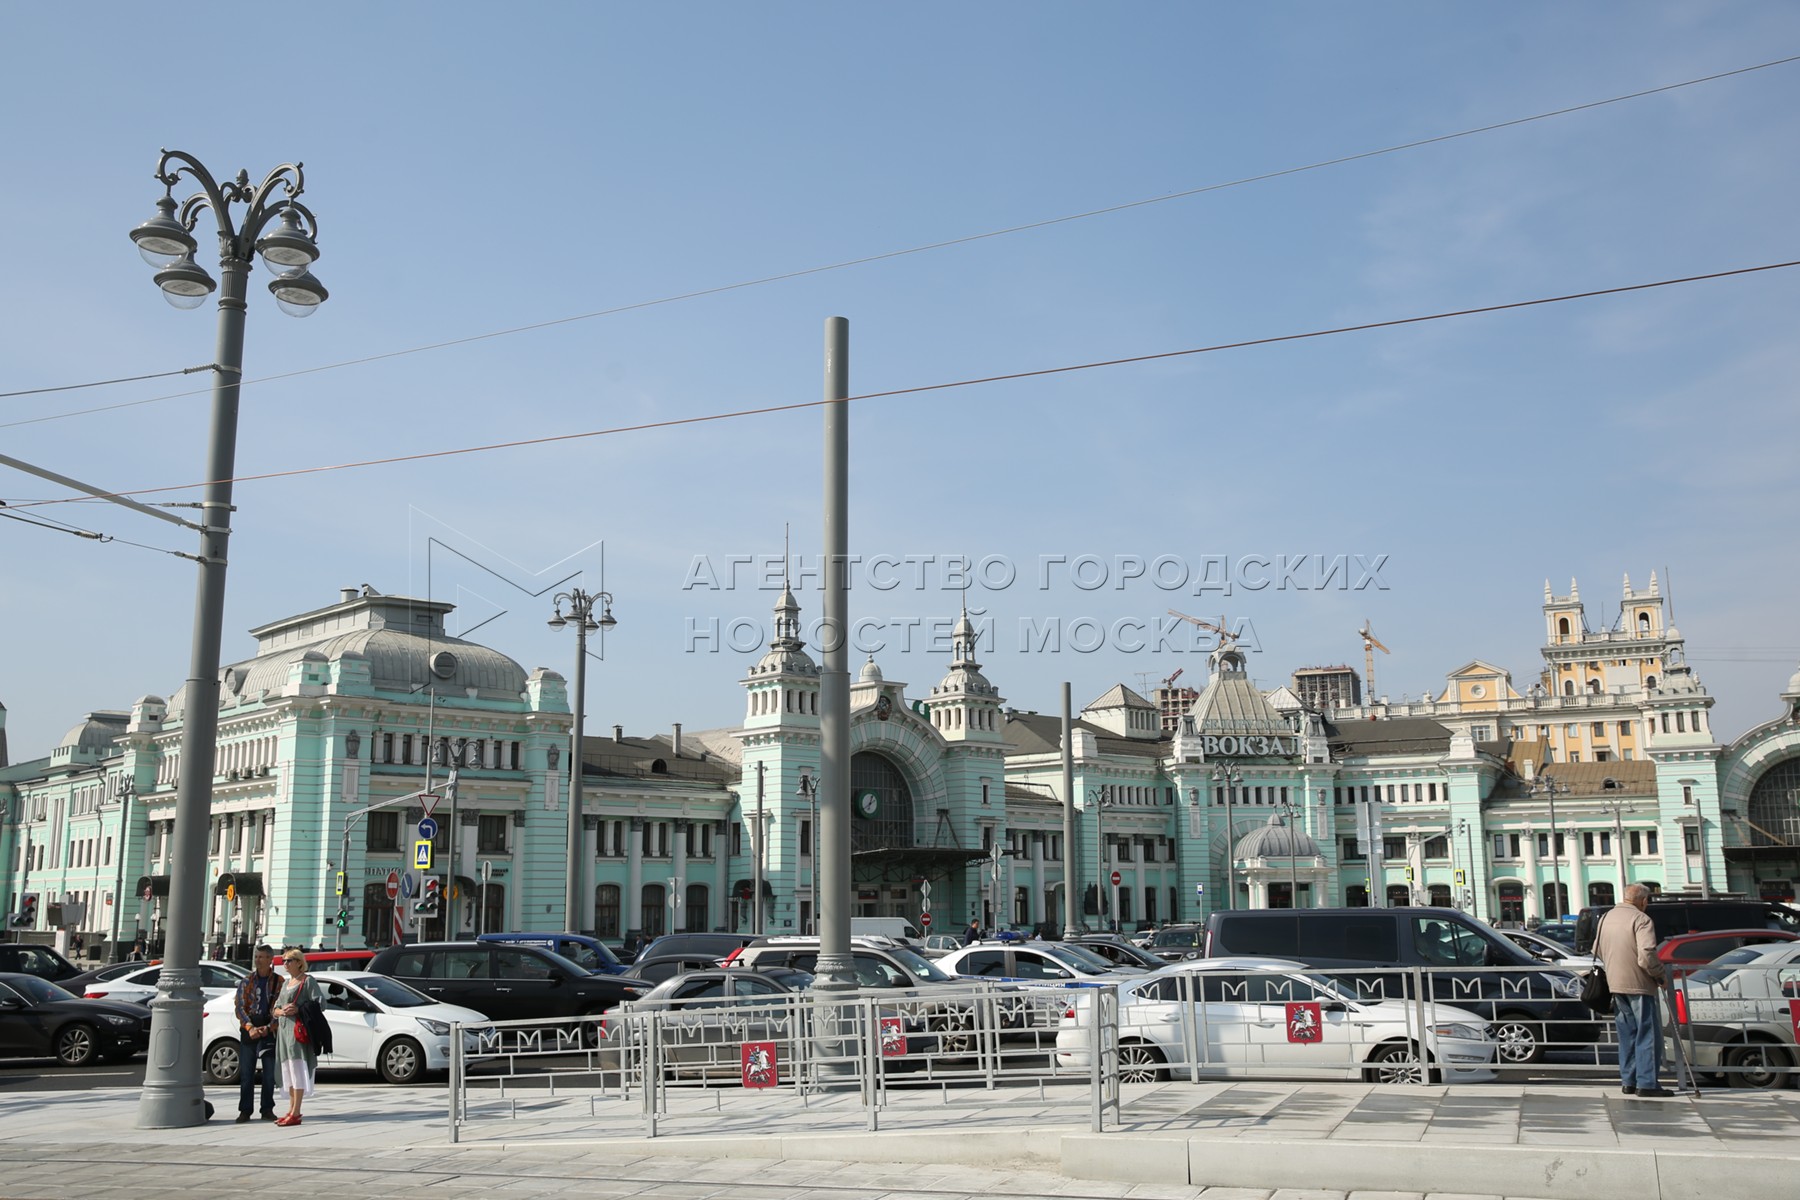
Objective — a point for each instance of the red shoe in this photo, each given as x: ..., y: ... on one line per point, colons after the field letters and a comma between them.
x: 286, y: 1119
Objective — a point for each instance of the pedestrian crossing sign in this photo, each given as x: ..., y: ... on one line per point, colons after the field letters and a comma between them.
x: 422, y: 854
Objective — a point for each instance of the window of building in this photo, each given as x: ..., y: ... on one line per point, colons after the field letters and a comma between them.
x: 695, y: 908
x: 806, y: 838
x: 737, y: 840
x: 1680, y: 722
x: 1599, y: 729
x: 1574, y: 757
x: 1624, y: 729
x: 1437, y: 847
x: 384, y: 833
x: 1393, y: 848
x: 606, y: 911
x: 1349, y: 851
x: 490, y: 833
x: 1482, y: 733
x: 1593, y: 687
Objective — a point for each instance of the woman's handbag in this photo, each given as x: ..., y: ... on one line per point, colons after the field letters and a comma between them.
x: 310, y: 1026
x: 1596, y: 992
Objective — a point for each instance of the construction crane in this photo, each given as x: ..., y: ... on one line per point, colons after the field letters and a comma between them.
x: 1170, y: 681
x: 1225, y: 635
x: 1371, y: 644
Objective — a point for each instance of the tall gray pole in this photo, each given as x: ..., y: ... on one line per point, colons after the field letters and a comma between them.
x: 572, y: 898
x: 172, y: 1096
x: 1071, y: 877
x: 126, y: 791
x: 756, y: 854
x: 831, y: 898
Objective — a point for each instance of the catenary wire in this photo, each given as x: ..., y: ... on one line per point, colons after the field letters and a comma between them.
x: 75, y: 387
x: 87, y: 534
x: 966, y: 239
x: 919, y: 389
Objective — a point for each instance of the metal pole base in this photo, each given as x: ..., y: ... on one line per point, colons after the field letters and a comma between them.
x: 173, y: 1097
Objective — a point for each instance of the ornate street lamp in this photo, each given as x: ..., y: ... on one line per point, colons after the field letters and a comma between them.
x: 1101, y: 800
x: 1550, y: 789
x: 580, y: 605
x: 809, y: 792
x: 172, y: 1095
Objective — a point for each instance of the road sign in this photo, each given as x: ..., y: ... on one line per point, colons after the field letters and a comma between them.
x: 393, y: 884
x: 422, y: 855
x: 427, y: 827
x: 1199, y: 889
x: 430, y: 801
x: 925, y: 887
x: 487, y: 870
x: 407, y: 886
x: 925, y: 919
x: 1117, y: 878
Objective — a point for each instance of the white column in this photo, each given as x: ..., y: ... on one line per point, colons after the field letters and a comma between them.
x: 1037, y: 878
x: 634, y: 877
x: 1529, y: 841
x: 718, y: 902
x: 590, y: 837
x: 1577, y: 871
x: 678, y: 864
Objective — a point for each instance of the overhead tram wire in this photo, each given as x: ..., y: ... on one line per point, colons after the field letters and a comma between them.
x: 919, y: 389
x: 55, y: 526
x: 964, y: 240
x: 76, y: 387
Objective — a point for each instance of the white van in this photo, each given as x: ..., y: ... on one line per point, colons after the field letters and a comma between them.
x: 898, y: 928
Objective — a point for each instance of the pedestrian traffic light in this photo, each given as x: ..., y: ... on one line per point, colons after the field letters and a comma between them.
x: 343, y: 917
x: 1409, y: 874
x: 340, y: 883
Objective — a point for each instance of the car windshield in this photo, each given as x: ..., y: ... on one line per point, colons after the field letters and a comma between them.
x: 1724, y: 965
x: 391, y: 992
x: 919, y: 965
x: 1085, y: 961
x: 38, y: 991
x: 1177, y: 937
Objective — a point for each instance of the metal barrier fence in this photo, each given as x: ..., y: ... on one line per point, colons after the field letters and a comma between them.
x: 1078, y: 1044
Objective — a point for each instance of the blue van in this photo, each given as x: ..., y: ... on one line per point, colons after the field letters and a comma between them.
x: 578, y: 948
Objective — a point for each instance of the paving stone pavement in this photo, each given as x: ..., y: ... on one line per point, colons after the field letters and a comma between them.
x: 360, y: 1143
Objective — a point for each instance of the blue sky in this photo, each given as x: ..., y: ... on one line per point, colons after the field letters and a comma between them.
x: 477, y: 168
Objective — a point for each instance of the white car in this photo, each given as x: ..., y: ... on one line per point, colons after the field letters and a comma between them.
x: 1549, y: 950
x: 1739, y: 1014
x: 1256, y: 1017
x: 139, y: 986
x: 1033, y: 962
x: 377, y: 1023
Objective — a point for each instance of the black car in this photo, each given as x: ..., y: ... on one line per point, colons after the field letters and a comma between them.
x: 42, y: 961
x: 1173, y: 943
x: 507, y: 982
x: 1117, y: 950
x: 38, y: 1019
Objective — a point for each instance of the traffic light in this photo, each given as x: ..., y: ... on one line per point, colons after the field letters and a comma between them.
x: 343, y: 917
x: 1409, y: 874
x: 340, y: 883
x: 26, y: 917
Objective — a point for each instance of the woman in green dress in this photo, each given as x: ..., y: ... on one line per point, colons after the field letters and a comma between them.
x: 296, y: 1059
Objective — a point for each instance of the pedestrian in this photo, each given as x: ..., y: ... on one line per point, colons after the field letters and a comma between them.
x: 973, y: 933
x: 139, y: 949
x: 256, y: 1035
x: 298, y: 1059
x: 1625, y: 944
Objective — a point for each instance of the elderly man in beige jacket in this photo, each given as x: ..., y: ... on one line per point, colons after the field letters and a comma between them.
x: 1625, y: 944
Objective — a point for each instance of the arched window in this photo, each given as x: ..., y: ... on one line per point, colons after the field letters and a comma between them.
x: 1650, y: 682
x: 1556, y: 901
x: 696, y: 912
x: 655, y: 910
x: 377, y: 916
x: 1399, y: 895
x: 1644, y: 624
x: 1568, y: 687
x: 891, y: 824
x: 606, y: 911
x: 1440, y: 895
x: 1775, y: 805
x: 1562, y: 627
x: 493, y: 907
x: 1594, y: 687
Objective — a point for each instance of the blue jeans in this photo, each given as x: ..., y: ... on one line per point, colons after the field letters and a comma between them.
x: 252, y: 1053
x: 1640, y: 1040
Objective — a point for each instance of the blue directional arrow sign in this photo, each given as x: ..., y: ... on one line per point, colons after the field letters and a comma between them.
x: 406, y: 886
x: 427, y: 828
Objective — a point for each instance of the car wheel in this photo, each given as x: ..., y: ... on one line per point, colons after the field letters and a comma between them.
x: 222, y: 1061
x: 955, y: 1033
x: 1397, y: 1062
x: 402, y: 1061
x: 76, y: 1045
x: 1139, y: 1063
x: 1758, y: 1065
x: 1521, y: 1040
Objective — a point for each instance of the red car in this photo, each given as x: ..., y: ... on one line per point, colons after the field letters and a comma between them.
x: 1686, y: 952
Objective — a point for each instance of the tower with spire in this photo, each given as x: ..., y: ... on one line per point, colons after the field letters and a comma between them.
x: 965, y: 707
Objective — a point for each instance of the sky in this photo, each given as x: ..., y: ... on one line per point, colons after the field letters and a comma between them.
x: 568, y: 218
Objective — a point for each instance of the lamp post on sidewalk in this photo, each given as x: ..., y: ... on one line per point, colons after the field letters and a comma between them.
x: 127, y: 792
x: 172, y: 1096
x: 1550, y: 789
x: 809, y: 792
x: 581, y: 606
